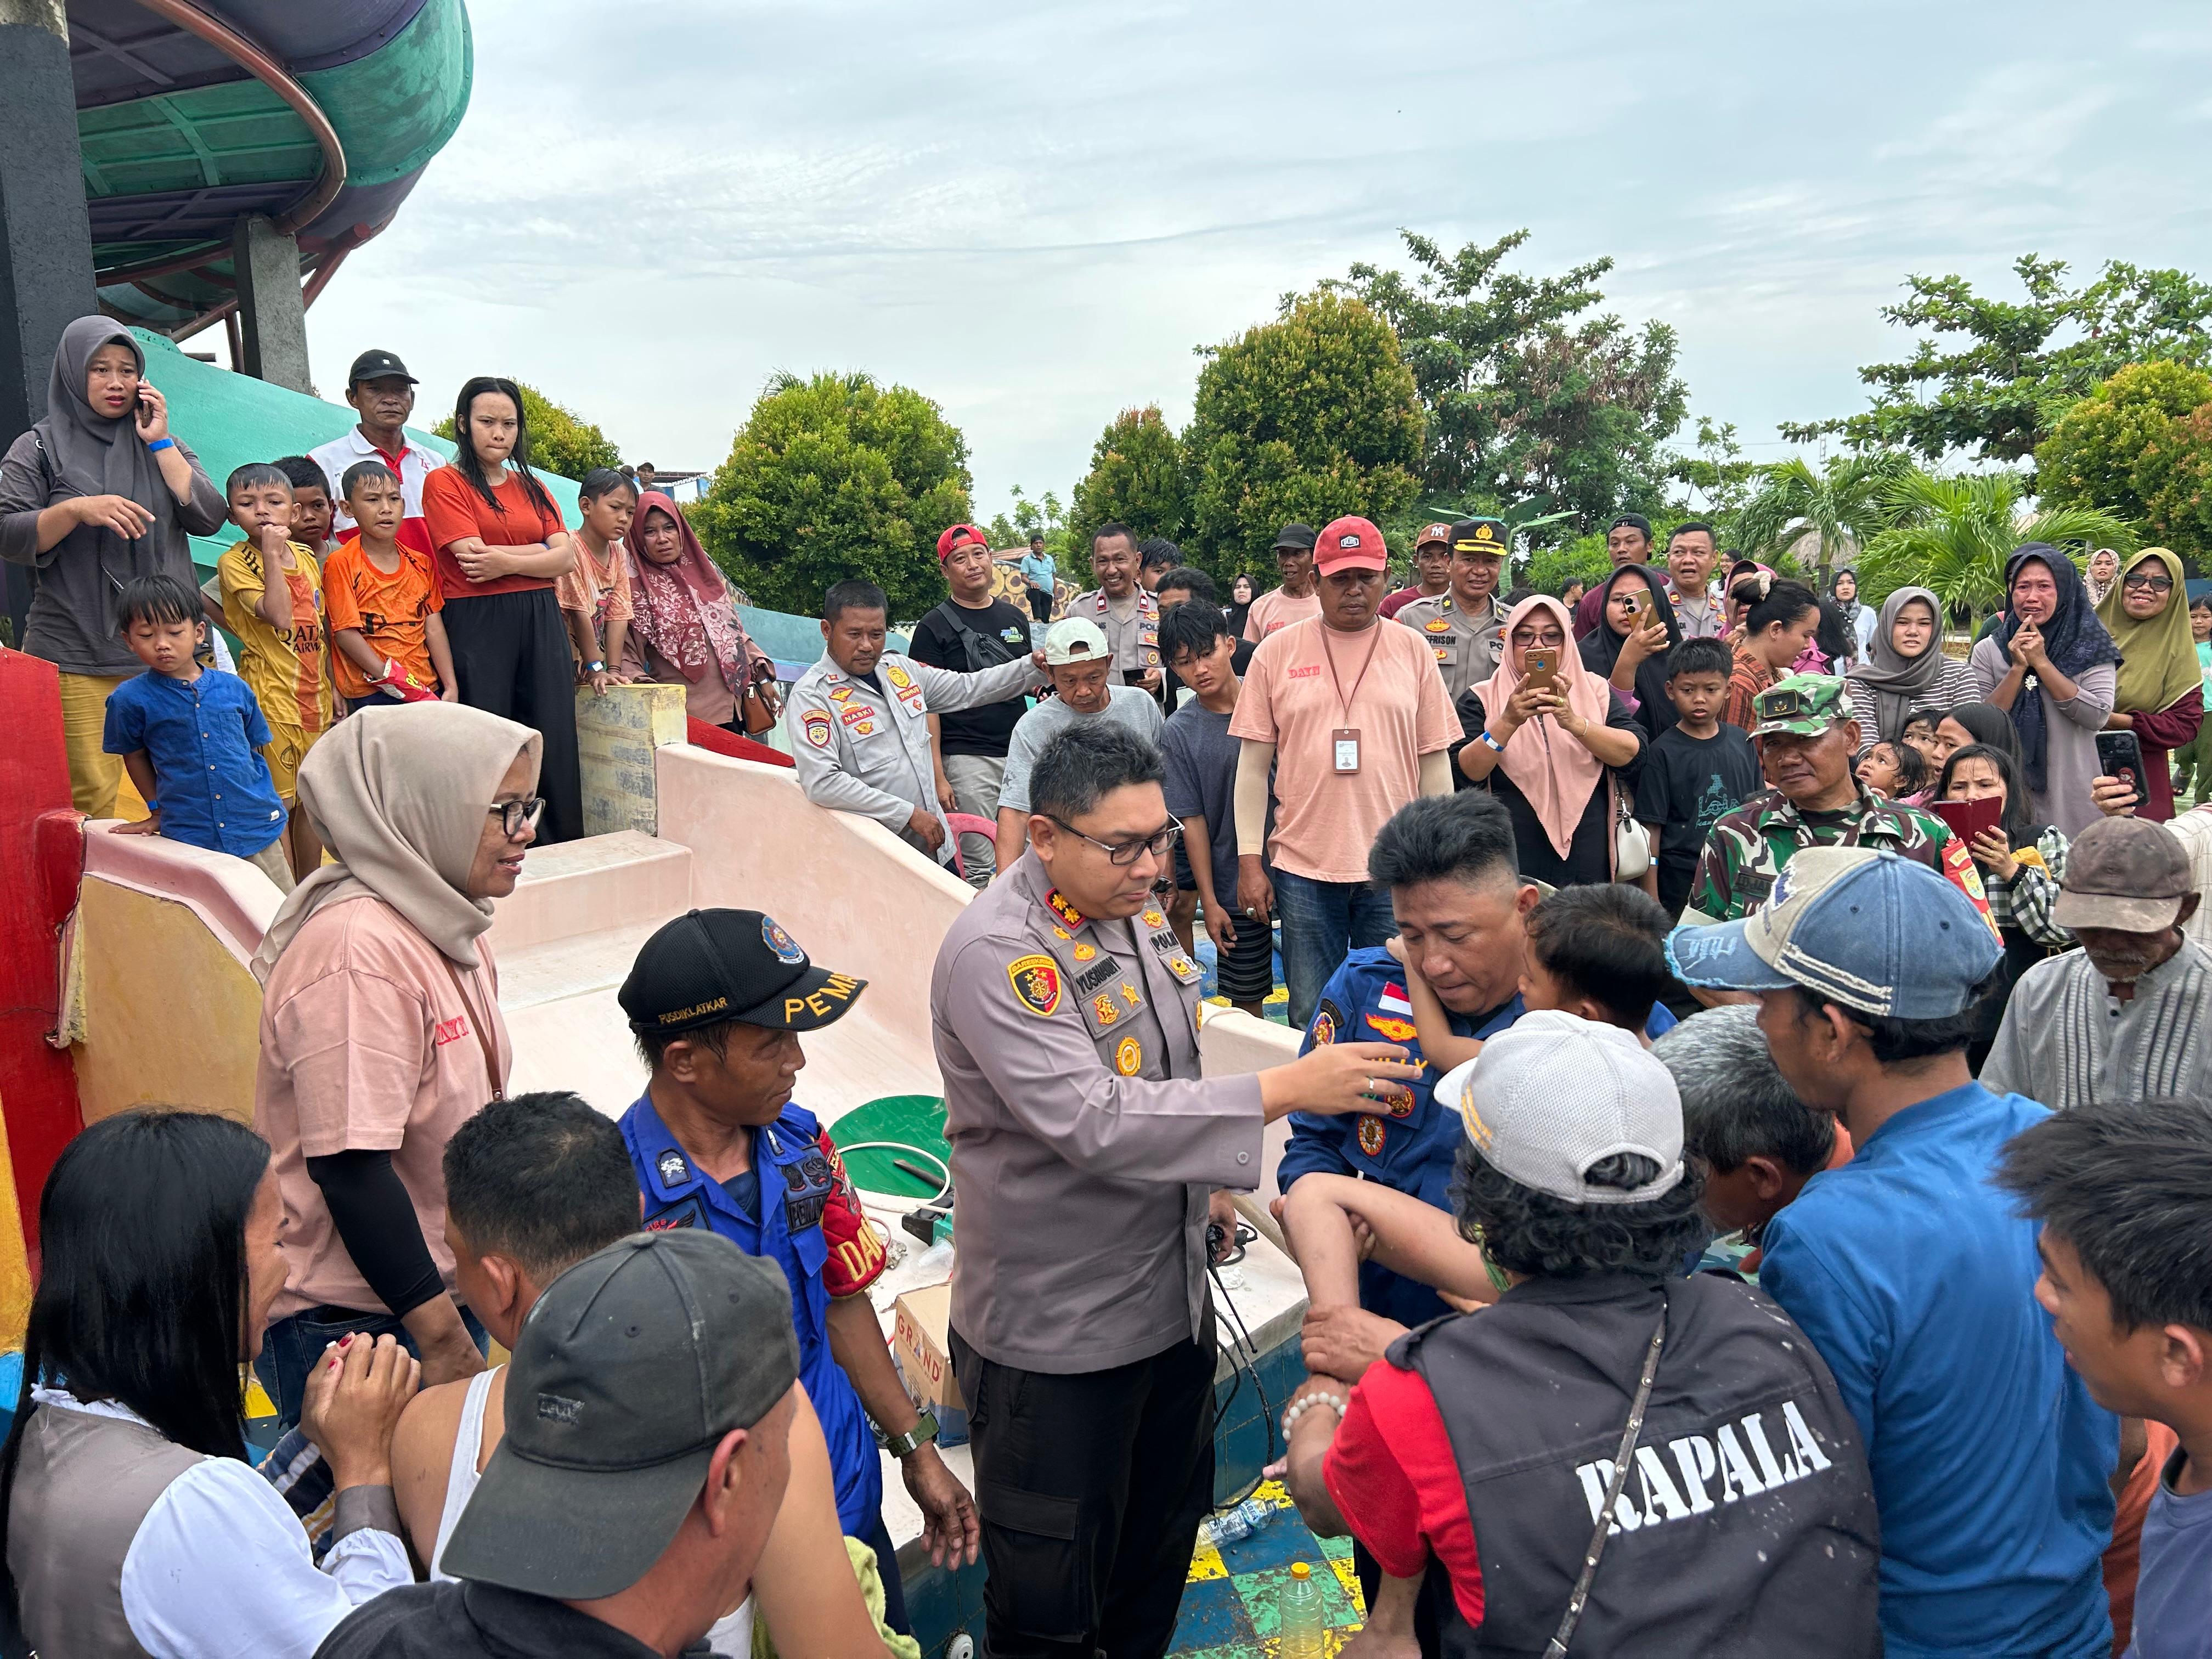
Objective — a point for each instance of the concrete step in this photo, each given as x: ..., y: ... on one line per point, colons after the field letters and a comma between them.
x: 599, y: 884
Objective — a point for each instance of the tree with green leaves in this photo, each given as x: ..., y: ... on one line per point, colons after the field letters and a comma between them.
x: 1304, y: 418
x: 1528, y: 396
x: 2017, y: 367
x: 1136, y: 478
x: 833, y: 478
x: 1951, y: 536
x: 2139, y: 446
x: 1027, y: 518
x: 1839, y: 507
x: 562, y: 442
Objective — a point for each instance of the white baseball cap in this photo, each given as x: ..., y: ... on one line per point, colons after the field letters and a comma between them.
x: 1554, y: 1094
x: 1073, y: 640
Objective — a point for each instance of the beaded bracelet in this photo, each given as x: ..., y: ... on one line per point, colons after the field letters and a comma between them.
x: 1299, y: 1408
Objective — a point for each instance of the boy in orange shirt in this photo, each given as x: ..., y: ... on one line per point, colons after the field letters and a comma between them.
x: 272, y: 600
x: 381, y: 601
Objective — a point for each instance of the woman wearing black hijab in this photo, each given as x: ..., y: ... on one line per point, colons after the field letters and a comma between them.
x: 1635, y: 664
x: 2055, y: 669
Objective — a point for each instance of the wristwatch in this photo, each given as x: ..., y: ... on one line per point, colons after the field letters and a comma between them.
x: 923, y: 1432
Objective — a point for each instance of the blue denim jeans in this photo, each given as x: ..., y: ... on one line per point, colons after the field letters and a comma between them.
x: 1324, y: 922
x: 290, y: 1347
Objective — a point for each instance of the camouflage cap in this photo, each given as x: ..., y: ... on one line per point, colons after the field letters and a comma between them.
x: 1804, y: 705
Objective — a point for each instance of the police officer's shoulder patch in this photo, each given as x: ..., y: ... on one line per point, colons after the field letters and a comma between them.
x: 817, y: 728
x: 1035, y: 980
x: 1327, y: 1020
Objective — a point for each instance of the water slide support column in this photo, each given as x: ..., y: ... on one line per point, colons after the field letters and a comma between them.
x: 271, y: 312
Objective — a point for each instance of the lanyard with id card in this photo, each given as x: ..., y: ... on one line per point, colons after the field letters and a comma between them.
x: 1344, y: 741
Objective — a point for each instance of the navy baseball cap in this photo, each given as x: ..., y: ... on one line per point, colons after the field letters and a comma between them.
x: 1866, y: 929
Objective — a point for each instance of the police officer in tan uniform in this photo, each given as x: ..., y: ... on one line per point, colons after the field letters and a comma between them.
x: 1465, y: 624
x: 1122, y: 608
x: 858, y: 721
x: 1087, y: 1151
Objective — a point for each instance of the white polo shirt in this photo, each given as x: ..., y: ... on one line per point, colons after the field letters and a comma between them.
x: 413, y: 464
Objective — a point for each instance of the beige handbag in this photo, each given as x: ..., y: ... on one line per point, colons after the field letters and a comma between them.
x: 1631, y: 841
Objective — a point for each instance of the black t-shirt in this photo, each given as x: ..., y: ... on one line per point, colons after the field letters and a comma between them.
x: 1687, y: 783
x: 988, y: 730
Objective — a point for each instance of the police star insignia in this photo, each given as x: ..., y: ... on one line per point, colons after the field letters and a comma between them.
x: 1067, y: 912
x: 1103, y: 1006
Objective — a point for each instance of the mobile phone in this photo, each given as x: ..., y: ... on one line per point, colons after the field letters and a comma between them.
x: 2120, y: 755
x: 1970, y: 818
x: 1639, y: 609
x: 1540, y: 667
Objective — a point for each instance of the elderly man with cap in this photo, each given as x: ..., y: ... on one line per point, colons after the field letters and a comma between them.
x: 1122, y: 607
x: 1683, y: 1415
x: 718, y: 999
x: 1911, y: 1273
x: 1295, y: 600
x: 649, y: 1407
x: 2128, y: 1015
x: 1431, y: 570
x: 1080, y: 663
x: 858, y: 720
x: 382, y: 392
x: 1465, y: 624
x: 1350, y: 718
x: 1807, y: 734
x: 1091, y: 1150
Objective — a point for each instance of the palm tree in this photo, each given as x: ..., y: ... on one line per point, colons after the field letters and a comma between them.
x: 1840, y: 505
x: 1951, y: 536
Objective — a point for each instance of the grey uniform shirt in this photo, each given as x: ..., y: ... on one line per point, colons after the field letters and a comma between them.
x: 1466, y: 642
x: 1126, y: 705
x: 1135, y: 644
x: 862, y: 750
x: 1083, y: 1141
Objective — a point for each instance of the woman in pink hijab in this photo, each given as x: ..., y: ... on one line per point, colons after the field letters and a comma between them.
x: 684, y: 626
x: 1545, y: 750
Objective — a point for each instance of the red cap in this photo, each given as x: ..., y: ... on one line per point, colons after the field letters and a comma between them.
x: 959, y: 535
x: 1350, y: 544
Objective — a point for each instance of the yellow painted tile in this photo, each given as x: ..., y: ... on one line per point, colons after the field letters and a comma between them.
x: 1206, y: 1562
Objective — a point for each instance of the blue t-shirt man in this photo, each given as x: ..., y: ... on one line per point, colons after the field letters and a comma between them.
x: 1914, y: 1276
x: 1411, y: 1142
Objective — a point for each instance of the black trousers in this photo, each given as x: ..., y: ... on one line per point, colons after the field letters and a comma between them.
x: 512, y: 657
x: 1089, y: 1487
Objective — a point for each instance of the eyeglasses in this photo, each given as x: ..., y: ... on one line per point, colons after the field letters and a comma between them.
x: 1126, y: 853
x: 2149, y: 583
x: 517, y: 816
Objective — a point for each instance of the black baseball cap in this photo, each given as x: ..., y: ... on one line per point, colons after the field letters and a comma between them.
x: 709, y: 966
x: 1300, y: 536
x: 627, y: 1374
x: 377, y: 366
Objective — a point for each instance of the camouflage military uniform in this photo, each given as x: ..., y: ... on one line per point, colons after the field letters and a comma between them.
x: 1747, y: 848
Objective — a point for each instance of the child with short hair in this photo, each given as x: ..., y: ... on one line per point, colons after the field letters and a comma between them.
x: 1894, y: 769
x: 382, y: 600
x: 1919, y: 735
x: 191, y: 737
x: 595, y: 593
x: 1697, y: 769
x: 272, y: 600
x: 313, y: 510
x: 2124, y: 1197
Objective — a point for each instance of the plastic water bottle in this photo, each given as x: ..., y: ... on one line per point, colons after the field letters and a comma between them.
x: 1230, y: 1525
x: 1301, y: 1623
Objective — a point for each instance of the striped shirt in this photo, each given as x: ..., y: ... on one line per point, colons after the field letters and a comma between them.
x: 2067, y: 1041
x: 1954, y: 684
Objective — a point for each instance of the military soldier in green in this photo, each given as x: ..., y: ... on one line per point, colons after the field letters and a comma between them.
x: 1465, y: 624
x: 1807, y: 736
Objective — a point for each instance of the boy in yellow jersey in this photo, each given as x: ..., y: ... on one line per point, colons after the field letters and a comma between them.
x: 272, y: 600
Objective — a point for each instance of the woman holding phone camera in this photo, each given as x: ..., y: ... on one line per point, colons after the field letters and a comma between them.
x: 2022, y: 863
x: 1557, y: 730
x: 2160, y: 697
x: 94, y: 494
x: 1636, y: 628
x: 2053, y: 668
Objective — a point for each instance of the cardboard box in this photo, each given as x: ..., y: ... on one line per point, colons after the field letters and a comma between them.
x: 919, y: 1343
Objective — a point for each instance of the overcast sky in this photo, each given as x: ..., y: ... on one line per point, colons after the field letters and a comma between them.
x: 1033, y: 213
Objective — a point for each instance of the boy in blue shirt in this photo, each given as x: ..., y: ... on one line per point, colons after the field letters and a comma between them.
x: 191, y: 737
x: 1911, y: 1272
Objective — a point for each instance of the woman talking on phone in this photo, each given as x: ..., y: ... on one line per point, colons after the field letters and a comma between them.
x: 1558, y: 729
x: 96, y: 494
x: 2053, y: 668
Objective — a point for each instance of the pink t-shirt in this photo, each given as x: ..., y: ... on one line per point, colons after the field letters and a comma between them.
x: 1276, y: 610
x: 367, y: 1044
x: 1326, y: 820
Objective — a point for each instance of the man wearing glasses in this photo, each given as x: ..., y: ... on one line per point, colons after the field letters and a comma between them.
x: 1066, y: 1016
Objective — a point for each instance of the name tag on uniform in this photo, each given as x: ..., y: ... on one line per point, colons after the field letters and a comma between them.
x: 1346, y: 739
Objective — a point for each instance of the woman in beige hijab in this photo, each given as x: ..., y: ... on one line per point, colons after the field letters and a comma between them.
x: 380, y: 1029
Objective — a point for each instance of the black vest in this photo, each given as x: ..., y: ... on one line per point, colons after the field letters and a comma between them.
x: 1747, y: 1527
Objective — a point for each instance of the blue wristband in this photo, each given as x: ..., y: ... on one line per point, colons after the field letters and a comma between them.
x: 1490, y: 743
x: 161, y: 443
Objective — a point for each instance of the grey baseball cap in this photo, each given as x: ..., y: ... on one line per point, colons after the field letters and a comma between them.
x: 626, y: 1375
x: 1554, y: 1094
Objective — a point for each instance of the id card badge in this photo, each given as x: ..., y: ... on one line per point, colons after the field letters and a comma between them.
x: 1346, y: 741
